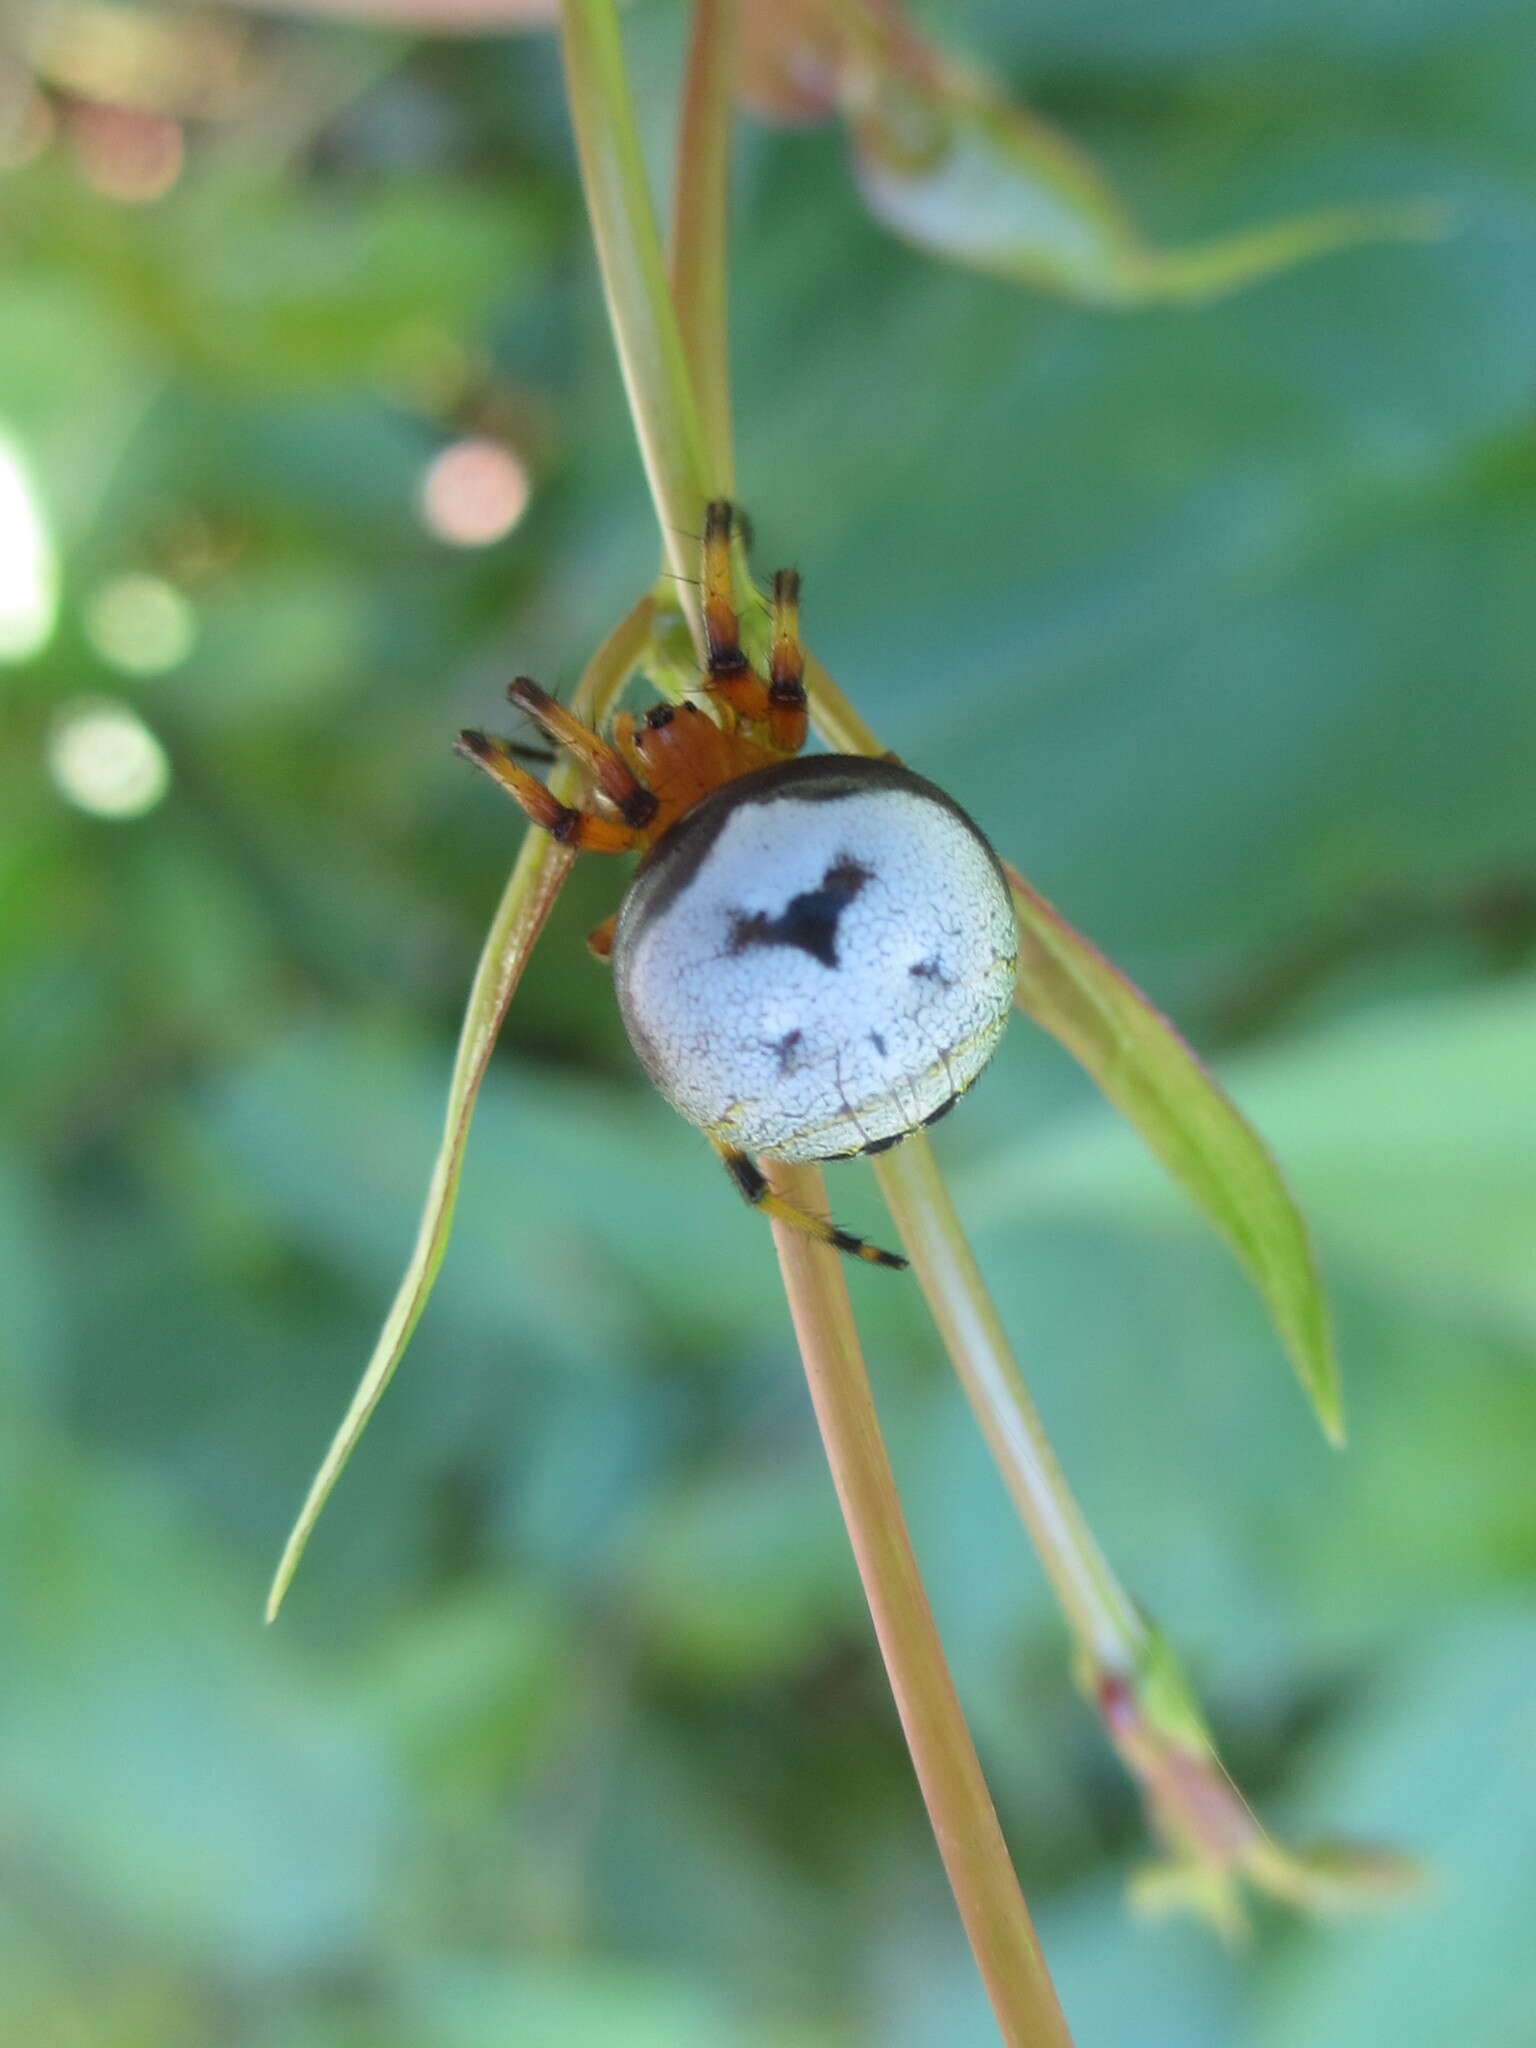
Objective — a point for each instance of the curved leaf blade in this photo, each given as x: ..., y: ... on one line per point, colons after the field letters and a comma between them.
x: 1137, y: 1059
x: 530, y: 892
x: 532, y: 887
x: 947, y: 160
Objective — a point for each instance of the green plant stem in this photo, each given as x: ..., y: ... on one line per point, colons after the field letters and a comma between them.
x: 645, y: 329
x: 698, y: 244
x: 834, y: 717
x: 964, y: 1823
x: 1110, y: 1634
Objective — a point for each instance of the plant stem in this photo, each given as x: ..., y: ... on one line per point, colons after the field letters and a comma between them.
x: 700, y: 199
x: 834, y: 717
x: 964, y: 1823
x: 645, y: 330
x: 685, y: 464
x: 1111, y: 1636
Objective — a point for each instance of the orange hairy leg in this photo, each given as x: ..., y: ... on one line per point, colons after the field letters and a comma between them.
x: 610, y: 773
x: 730, y: 679
x: 787, y: 715
x: 583, y: 830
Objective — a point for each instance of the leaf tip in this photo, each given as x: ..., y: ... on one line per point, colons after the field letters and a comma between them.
x: 282, y: 1579
x: 1327, y: 1398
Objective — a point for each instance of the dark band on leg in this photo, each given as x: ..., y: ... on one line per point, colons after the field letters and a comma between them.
x: 786, y: 667
x: 636, y: 809
x: 614, y: 778
x: 722, y: 632
x: 753, y: 1185
x: 748, y: 1177
x: 860, y: 1248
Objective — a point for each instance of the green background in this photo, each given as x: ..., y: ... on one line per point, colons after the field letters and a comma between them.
x: 1220, y: 623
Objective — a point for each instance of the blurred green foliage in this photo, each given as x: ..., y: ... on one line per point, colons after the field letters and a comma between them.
x: 1221, y: 623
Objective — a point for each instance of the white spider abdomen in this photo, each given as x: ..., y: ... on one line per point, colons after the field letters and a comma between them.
x: 817, y: 958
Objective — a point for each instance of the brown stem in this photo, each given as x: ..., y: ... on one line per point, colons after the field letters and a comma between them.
x: 960, y: 1810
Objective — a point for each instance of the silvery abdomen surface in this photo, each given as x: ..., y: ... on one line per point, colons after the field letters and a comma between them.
x: 817, y: 958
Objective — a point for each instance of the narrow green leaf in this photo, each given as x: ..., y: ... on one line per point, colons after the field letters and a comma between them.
x: 1231, y: 262
x: 1143, y: 1066
x: 535, y: 881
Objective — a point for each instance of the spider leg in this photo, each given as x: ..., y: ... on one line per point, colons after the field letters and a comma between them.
x: 600, y: 938
x: 623, y: 737
x: 582, y: 830
x: 753, y: 1187
x: 786, y: 668
x: 608, y: 769
x: 730, y: 678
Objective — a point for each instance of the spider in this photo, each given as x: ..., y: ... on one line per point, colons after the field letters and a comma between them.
x: 815, y: 956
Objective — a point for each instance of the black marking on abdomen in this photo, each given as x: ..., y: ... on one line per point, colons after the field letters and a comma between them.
x: 785, y: 1049
x: 809, y: 921
x: 930, y: 970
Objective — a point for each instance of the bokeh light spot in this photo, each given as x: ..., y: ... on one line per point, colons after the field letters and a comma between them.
x: 474, y: 492
x: 29, y: 570
x: 105, y: 758
x: 126, y: 154
x: 141, y: 624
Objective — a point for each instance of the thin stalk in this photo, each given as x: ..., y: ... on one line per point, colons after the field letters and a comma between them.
x: 684, y: 468
x: 834, y: 717
x: 1144, y: 1701
x: 645, y: 330
x: 697, y: 246
x: 1111, y: 1635
x: 965, y: 1825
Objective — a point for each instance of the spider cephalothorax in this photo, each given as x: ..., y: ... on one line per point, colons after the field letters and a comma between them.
x: 815, y: 957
